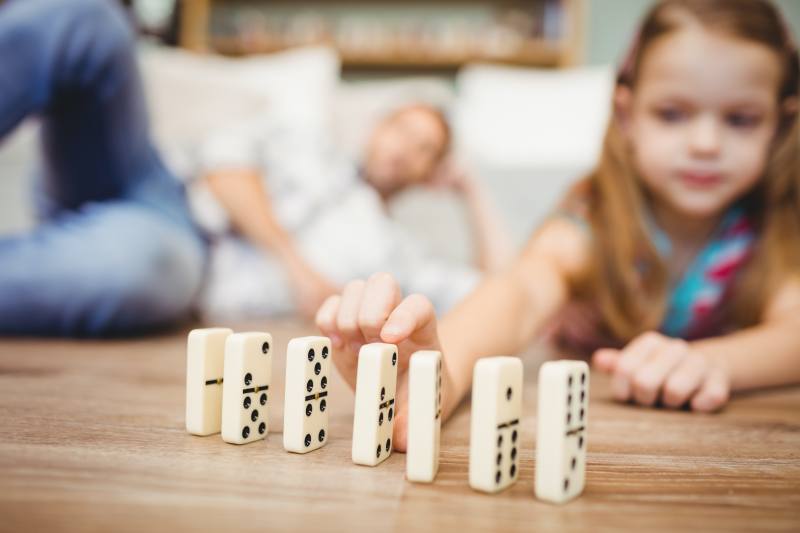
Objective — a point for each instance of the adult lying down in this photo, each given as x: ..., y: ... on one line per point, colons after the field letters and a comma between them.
x: 291, y: 218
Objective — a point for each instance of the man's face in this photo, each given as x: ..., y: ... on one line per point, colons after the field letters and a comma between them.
x: 404, y: 149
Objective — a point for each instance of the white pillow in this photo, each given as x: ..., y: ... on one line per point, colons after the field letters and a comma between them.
x: 191, y: 95
x: 512, y: 118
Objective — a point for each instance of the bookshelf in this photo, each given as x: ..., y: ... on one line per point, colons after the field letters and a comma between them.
x: 392, y: 34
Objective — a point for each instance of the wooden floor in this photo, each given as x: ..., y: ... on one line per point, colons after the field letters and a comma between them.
x: 92, y: 439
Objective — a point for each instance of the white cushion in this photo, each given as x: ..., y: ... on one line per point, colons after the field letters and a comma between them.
x: 192, y: 95
x: 512, y: 118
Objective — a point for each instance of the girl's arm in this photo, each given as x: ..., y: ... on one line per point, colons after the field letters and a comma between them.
x: 245, y: 199
x: 703, y: 373
x: 507, y: 310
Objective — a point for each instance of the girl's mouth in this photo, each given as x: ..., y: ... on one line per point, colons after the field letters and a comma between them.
x: 700, y: 180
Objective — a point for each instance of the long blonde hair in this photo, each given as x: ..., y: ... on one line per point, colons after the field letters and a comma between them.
x: 629, y: 280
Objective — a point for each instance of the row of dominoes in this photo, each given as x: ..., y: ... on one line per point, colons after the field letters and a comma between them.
x: 227, y: 388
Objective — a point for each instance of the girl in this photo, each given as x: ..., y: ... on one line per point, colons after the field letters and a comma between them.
x: 683, y: 244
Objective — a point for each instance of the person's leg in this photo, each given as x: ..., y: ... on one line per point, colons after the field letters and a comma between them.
x: 114, y: 268
x: 72, y: 63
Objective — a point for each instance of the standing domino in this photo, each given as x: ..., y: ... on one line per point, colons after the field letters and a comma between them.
x: 248, y: 371
x: 305, y: 417
x: 424, y: 415
x: 373, y: 420
x: 205, y: 353
x: 561, y: 433
x: 494, y: 429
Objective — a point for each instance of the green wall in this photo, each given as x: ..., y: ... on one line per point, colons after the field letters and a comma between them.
x: 611, y: 24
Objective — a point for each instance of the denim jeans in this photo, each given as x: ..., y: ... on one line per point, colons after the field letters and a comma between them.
x: 115, y: 252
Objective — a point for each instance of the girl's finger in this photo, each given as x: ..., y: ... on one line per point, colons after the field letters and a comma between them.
x: 326, y: 319
x: 684, y: 381
x: 633, y: 356
x: 605, y: 359
x: 651, y: 376
x: 347, y: 316
x: 381, y: 296
x: 713, y: 393
x: 414, y: 317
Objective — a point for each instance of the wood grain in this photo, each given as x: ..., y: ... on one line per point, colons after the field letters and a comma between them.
x: 92, y: 439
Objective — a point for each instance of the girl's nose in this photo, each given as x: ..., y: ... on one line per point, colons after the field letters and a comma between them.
x: 705, y: 138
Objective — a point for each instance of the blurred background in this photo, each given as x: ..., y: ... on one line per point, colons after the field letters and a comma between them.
x: 526, y: 85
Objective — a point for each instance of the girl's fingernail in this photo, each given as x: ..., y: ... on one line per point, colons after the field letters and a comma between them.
x: 391, y: 329
x: 620, y: 387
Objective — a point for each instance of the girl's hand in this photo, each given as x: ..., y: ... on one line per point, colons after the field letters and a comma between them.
x: 653, y: 367
x: 373, y: 311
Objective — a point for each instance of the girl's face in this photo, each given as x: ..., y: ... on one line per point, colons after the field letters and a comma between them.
x: 701, y: 119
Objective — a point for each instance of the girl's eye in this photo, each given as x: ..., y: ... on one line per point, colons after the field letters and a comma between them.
x: 741, y: 120
x: 670, y: 115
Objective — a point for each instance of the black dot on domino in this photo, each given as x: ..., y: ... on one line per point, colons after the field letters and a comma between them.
x: 508, y: 393
x: 263, y: 399
x: 265, y: 348
x: 324, y: 382
x: 514, y: 436
x: 582, y: 413
x: 499, y: 440
x: 499, y: 458
x: 580, y: 442
x: 248, y: 378
x: 566, y: 484
x: 391, y: 414
x: 317, y: 368
x: 574, y: 462
x: 497, y: 477
x: 383, y: 393
x: 583, y: 378
x: 254, y: 415
x: 245, y: 432
x: 513, y: 453
x: 378, y: 452
x: 262, y: 427
x: 394, y: 358
x: 310, y: 385
x: 247, y: 402
x: 323, y: 405
x: 311, y: 355
x: 569, y: 418
x: 513, y: 471
x: 321, y: 435
x: 569, y: 381
x: 307, y: 440
x: 380, y: 419
x: 569, y: 399
x: 388, y: 445
x: 324, y: 352
x: 309, y: 409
